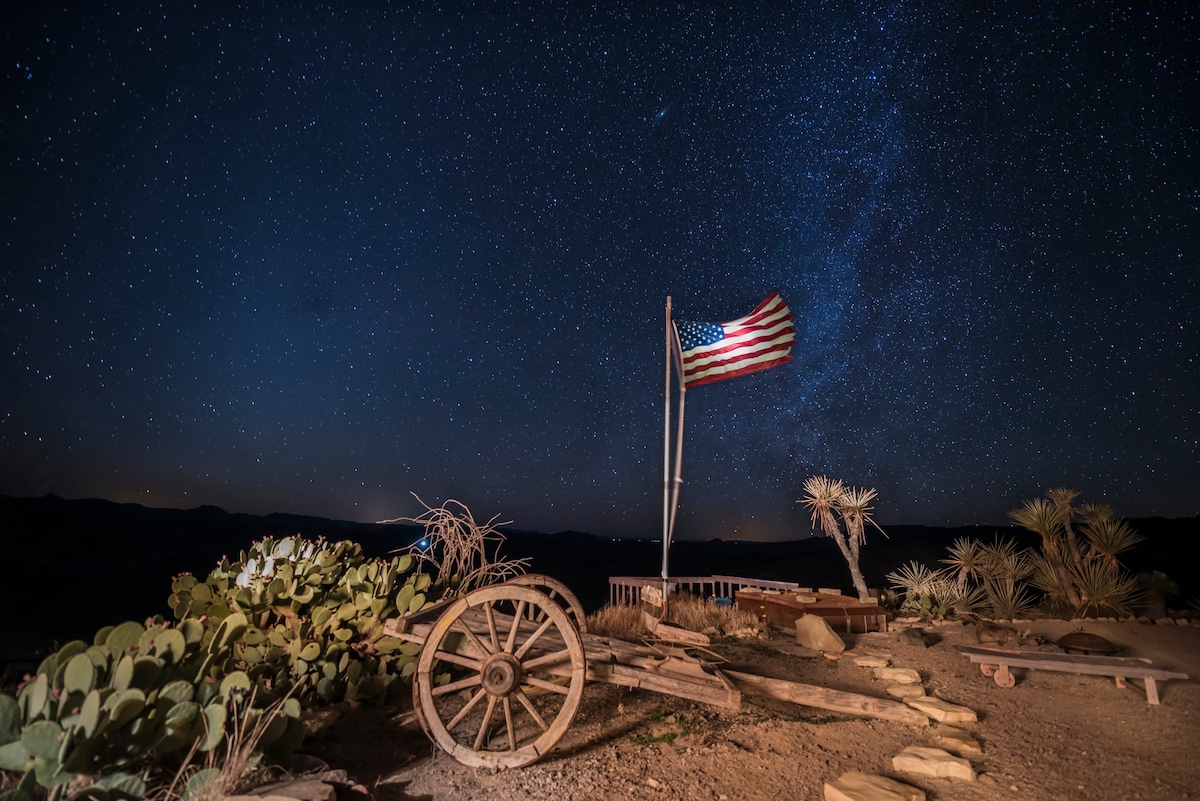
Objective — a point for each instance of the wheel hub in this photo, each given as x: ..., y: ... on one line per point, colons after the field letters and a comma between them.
x: 501, y: 674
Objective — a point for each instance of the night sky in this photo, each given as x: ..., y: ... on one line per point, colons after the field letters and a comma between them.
x: 288, y: 258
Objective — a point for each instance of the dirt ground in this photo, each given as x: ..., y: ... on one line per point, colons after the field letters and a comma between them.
x: 1052, y: 736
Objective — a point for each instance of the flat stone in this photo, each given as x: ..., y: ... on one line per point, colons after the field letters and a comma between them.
x: 298, y: 790
x: 906, y: 691
x: 926, y: 761
x: 872, y: 661
x: 898, y: 675
x: 942, y: 711
x: 828, y: 591
x: 855, y: 786
x: 958, y: 740
x: 1165, y: 621
x: 813, y: 632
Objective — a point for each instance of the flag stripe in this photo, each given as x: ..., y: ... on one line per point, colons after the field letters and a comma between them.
x: 760, y: 340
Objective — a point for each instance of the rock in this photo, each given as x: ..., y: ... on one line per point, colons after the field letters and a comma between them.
x: 918, y: 637
x: 942, y: 711
x: 906, y: 691
x: 813, y: 632
x: 802, y: 598
x: 872, y: 661
x: 926, y: 761
x: 855, y: 786
x: 653, y: 783
x: 1165, y: 621
x: 991, y: 634
x: 296, y: 790
x: 908, y: 620
x: 1143, y: 619
x: 898, y: 675
x: 958, y: 740
x: 828, y: 591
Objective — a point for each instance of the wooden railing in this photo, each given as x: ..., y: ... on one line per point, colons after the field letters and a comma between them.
x: 627, y: 589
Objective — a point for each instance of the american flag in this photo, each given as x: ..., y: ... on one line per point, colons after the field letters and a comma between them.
x: 758, y: 341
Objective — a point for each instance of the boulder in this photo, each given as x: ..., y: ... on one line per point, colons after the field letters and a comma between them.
x: 988, y: 633
x: 813, y: 632
x: 898, y: 675
x: 926, y: 761
x: 855, y: 786
x: 919, y: 637
x: 942, y: 711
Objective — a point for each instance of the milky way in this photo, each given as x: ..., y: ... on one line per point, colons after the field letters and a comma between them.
x: 287, y: 258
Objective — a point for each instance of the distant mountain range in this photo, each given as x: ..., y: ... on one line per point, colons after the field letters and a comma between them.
x: 72, y: 566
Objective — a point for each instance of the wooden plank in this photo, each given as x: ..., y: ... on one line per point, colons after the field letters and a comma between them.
x: 1069, y: 663
x: 826, y: 698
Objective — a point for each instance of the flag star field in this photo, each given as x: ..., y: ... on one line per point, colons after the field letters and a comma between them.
x: 315, y: 258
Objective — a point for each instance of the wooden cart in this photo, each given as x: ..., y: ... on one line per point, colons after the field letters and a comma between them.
x: 501, y: 671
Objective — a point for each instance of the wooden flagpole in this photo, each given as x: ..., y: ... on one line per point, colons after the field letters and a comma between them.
x: 666, y: 532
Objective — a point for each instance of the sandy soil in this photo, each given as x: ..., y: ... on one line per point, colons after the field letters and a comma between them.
x: 1052, y: 736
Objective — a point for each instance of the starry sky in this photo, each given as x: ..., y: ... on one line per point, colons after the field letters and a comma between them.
x: 294, y: 258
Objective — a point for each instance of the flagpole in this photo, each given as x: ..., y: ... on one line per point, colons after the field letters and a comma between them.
x: 666, y: 533
x: 678, y: 480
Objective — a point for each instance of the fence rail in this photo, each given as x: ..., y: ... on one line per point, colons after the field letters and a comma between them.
x: 627, y: 589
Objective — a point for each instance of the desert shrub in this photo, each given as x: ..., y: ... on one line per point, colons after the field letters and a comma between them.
x: 625, y: 622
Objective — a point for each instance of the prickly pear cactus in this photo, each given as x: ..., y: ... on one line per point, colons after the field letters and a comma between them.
x: 315, y: 612
x: 139, y: 693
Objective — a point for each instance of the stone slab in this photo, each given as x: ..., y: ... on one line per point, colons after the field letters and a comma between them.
x: 906, y: 691
x: 926, y: 761
x: 898, y: 675
x: 943, y: 711
x: 872, y: 661
x: 855, y: 786
x: 958, y: 740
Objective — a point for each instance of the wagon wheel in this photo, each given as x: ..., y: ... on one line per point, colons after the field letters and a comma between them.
x: 987, y: 670
x: 558, y: 592
x: 514, y: 684
x: 1004, y: 677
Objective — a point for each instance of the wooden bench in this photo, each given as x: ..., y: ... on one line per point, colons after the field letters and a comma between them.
x: 996, y: 662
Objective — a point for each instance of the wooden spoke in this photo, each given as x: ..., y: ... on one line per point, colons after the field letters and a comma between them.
x: 516, y: 624
x: 549, y: 686
x: 470, y: 681
x: 558, y: 593
x: 487, y: 721
x: 491, y: 621
x: 512, y: 737
x: 493, y: 652
x: 466, y: 710
x: 530, y: 708
x: 547, y: 659
x: 524, y: 649
x: 455, y: 659
x: 483, y: 649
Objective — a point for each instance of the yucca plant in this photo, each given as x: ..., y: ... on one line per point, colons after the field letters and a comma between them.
x: 1107, y: 537
x: 1045, y: 519
x: 1009, y: 600
x: 827, y: 498
x: 966, y: 560
x: 1104, y: 588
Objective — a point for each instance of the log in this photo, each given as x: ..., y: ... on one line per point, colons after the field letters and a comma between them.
x: 825, y: 698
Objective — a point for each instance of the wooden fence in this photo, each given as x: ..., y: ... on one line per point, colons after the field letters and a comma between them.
x: 627, y: 589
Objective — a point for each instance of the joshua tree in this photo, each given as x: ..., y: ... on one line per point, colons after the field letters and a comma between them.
x: 827, y: 499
